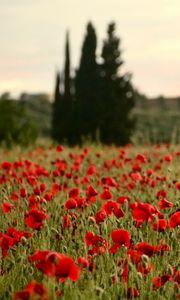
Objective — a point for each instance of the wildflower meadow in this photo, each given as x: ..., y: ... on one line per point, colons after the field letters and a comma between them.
x: 99, y: 222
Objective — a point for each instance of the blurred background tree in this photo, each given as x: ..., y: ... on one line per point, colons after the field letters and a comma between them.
x: 63, y: 113
x: 87, y: 87
x: 116, y: 94
x: 57, y: 111
x: 16, y: 126
x: 103, y: 98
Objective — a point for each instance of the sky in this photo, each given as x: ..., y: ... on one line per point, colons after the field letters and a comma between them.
x: 33, y: 40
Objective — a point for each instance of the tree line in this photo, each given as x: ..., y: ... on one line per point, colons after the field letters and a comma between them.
x: 96, y: 102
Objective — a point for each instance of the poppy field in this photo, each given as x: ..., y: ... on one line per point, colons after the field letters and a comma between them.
x: 90, y: 223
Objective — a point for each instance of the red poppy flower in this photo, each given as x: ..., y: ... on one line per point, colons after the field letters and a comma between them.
x: 130, y: 186
x: 178, y: 185
x: 145, y: 268
x: 40, y: 255
x: 6, y: 165
x: 66, y: 221
x: 91, y: 193
x: 160, y: 281
x: 109, y: 206
x: 14, y: 196
x: 91, y: 170
x: 55, y: 188
x: 33, y: 202
x: 16, y: 235
x: 120, y: 237
x: 56, y: 173
x: 23, y: 295
x: 98, y: 243
x: 81, y: 202
x: 6, y: 243
x: 168, y: 157
x: 135, y: 255
x: 100, y: 216
x: 149, y: 172
x: 37, y: 191
x: 176, y: 275
x: 132, y: 293
x: 109, y: 181
x: 59, y: 148
x: 83, y: 262
x: 135, y: 176
x: 141, y: 158
x: 48, y: 196
x: 113, y: 279
x: 106, y: 194
x: 56, y: 264
x: 11, y: 238
x: 146, y: 248
x: 32, y: 289
x: 174, y: 219
x: 34, y: 219
x: 125, y: 272
x: 164, y: 203
x: 42, y: 187
x: 6, y: 207
x: 66, y: 268
x: 113, y: 207
x: 142, y: 212
x: 23, y: 192
x: 32, y: 180
x: 163, y: 247
x: 159, y: 225
x: 89, y: 238
x: 161, y: 193
x: 74, y: 193
x: 58, y: 293
x: 70, y: 203
x: 122, y: 199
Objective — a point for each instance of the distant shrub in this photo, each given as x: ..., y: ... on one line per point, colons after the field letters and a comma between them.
x: 16, y: 126
x: 157, y: 126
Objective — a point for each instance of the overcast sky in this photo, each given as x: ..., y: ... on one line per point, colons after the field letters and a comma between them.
x: 32, y: 34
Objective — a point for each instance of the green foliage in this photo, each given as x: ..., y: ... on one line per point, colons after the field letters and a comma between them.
x: 16, y: 126
x: 67, y: 114
x: 67, y: 78
x: 39, y: 109
x: 116, y: 93
x: 111, y: 54
x: 102, y: 100
x: 63, y: 114
x: 87, y: 87
x: 156, y: 126
x: 56, y: 110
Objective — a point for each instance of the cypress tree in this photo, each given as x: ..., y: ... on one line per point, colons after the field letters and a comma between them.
x: 56, y: 108
x: 87, y: 86
x: 67, y: 95
x: 67, y: 83
x: 69, y: 122
x: 62, y: 106
x: 116, y: 94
